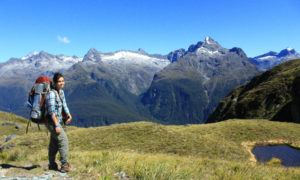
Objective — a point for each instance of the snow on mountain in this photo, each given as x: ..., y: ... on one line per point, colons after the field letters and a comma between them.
x: 30, y: 55
x: 127, y: 57
x: 37, y: 62
x: 270, y: 59
x: 203, y: 50
x: 209, y: 47
x: 133, y: 70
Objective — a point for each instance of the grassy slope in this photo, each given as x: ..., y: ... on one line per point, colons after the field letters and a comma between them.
x: 262, y: 97
x: 152, y: 151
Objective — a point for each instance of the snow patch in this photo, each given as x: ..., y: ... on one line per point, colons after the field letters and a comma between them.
x: 203, y: 50
x: 127, y: 57
x: 265, y: 58
x: 29, y: 55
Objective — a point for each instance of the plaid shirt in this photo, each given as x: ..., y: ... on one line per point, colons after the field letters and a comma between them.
x: 55, y: 104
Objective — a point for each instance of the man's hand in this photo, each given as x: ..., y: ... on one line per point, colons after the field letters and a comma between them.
x: 69, y: 119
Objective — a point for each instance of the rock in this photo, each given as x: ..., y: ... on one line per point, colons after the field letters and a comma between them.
x: 27, y: 143
x: 18, y: 126
x: 121, y: 174
x: 7, y: 146
x: 10, y: 137
x: 8, y: 123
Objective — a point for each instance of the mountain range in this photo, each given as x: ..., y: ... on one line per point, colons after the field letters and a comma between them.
x: 270, y: 59
x: 181, y: 87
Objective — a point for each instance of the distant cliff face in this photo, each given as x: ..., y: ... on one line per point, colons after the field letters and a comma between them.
x: 272, y: 95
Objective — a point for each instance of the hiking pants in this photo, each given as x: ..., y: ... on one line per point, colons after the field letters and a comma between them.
x: 58, y: 143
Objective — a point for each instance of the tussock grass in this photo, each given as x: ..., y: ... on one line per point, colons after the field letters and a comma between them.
x: 144, y: 150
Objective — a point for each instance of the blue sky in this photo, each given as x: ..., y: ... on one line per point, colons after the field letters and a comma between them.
x: 72, y: 27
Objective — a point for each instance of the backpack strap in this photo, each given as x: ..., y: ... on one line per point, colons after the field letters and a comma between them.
x: 57, y: 95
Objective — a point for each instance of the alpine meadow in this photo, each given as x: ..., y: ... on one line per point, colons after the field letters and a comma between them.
x: 150, y: 90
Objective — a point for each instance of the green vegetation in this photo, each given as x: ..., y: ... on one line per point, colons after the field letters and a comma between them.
x: 145, y: 150
x: 102, y: 104
x: 261, y: 98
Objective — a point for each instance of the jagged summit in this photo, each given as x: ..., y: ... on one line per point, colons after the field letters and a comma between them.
x: 209, y: 40
x: 92, y: 55
x: 208, y: 46
x: 211, y: 44
x: 93, y: 51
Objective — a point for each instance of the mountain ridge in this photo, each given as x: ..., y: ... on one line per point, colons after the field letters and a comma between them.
x: 161, y: 88
x: 271, y: 59
x: 265, y: 96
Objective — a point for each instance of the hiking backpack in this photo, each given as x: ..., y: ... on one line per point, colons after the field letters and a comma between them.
x: 36, y: 100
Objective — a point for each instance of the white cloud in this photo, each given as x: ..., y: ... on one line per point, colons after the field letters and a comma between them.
x: 63, y: 39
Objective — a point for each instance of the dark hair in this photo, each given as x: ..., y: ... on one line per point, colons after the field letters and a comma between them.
x: 56, y: 76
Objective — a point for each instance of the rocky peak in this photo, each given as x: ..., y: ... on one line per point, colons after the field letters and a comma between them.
x: 239, y: 52
x: 175, y: 55
x: 194, y: 47
x: 286, y: 52
x: 92, y: 55
x: 142, y: 51
x: 211, y: 44
x: 209, y: 40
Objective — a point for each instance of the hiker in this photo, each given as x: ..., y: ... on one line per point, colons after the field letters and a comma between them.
x: 56, y: 107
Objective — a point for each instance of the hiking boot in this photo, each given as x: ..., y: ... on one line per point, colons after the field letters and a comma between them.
x: 53, y: 166
x: 65, y: 168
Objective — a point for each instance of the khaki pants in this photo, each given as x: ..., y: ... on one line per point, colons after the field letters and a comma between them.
x: 58, y: 143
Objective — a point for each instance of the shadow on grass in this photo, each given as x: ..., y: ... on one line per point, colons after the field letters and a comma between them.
x: 7, y: 166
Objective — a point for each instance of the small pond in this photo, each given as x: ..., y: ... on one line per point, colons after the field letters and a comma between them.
x: 289, y: 156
